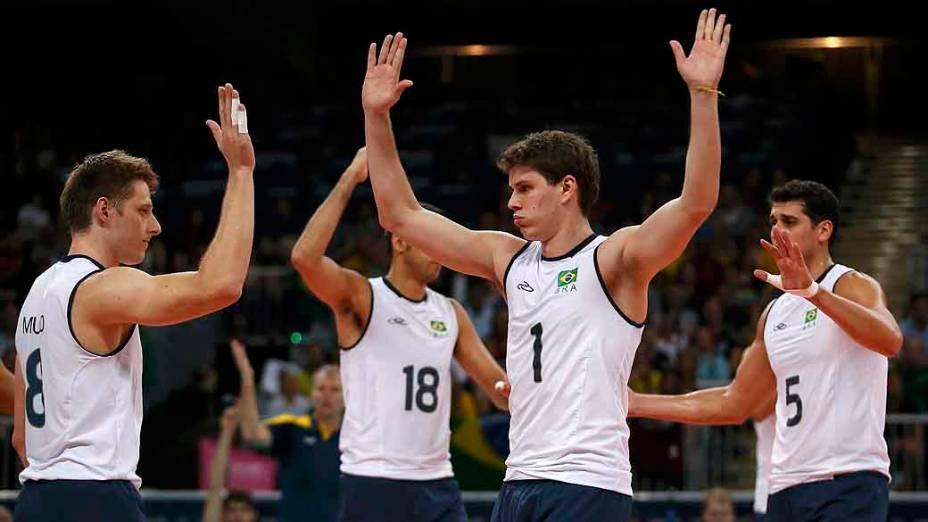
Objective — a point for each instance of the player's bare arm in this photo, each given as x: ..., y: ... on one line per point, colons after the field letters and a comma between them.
x: 212, y: 508
x: 857, y: 305
x: 345, y: 291
x: 476, y: 360
x: 646, y: 249
x: 123, y: 295
x: 19, y: 415
x: 480, y: 253
x: 253, y: 430
x: 7, y: 390
x: 753, y: 389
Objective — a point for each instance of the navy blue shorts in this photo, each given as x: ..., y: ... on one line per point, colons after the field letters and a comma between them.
x: 364, y: 499
x: 531, y: 500
x: 852, y: 497
x: 78, y: 501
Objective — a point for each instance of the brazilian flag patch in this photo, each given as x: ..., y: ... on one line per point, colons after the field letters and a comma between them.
x: 566, y: 277
x: 439, y: 326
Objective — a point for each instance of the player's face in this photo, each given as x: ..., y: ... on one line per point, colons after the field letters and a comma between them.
x: 422, y: 266
x: 327, y: 394
x: 534, y: 203
x: 239, y: 512
x: 135, y: 224
x: 791, y: 216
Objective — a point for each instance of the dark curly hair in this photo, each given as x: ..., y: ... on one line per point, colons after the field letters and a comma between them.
x: 818, y: 202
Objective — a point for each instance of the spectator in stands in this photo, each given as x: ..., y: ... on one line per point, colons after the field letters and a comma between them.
x: 711, y: 363
x: 305, y: 446
x: 237, y: 506
x: 5, y: 515
x: 290, y: 398
x: 916, y: 324
x: 718, y: 507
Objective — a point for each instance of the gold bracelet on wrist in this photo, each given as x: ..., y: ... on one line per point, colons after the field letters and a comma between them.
x: 711, y: 90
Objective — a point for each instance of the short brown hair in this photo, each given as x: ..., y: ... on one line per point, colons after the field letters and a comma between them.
x: 555, y: 154
x: 107, y: 174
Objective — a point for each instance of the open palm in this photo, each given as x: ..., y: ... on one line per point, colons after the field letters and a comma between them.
x: 794, y: 273
x: 382, y: 85
x: 703, y: 67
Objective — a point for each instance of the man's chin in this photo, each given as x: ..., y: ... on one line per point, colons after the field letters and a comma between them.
x: 529, y: 234
x: 133, y: 260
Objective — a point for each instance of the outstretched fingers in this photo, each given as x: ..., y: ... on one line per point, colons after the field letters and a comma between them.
x: 394, y: 45
x: 397, y: 61
x: 726, y: 36
x: 710, y: 25
x: 371, y: 56
x: 771, y: 249
x: 719, y: 29
x: 701, y: 25
x: 385, y: 49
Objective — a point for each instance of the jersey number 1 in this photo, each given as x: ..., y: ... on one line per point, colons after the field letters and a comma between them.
x: 427, y: 394
x: 34, y: 389
x: 536, y: 360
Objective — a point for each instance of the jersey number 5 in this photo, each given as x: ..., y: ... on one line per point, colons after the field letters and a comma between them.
x: 34, y: 389
x: 793, y: 398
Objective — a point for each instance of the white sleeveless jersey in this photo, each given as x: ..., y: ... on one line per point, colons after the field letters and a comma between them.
x: 397, y: 385
x: 570, y: 350
x: 831, y: 394
x: 83, y: 412
x: 766, y: 431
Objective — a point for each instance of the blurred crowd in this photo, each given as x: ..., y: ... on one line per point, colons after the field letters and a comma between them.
x: 702, y: 309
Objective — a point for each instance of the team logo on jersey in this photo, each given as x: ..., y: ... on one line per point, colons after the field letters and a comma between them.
x: 811, y: 315
x: 566, y: 281
x: 525, y: 287
x: 397, y: 320
x: 566, y: 277
x: 439, y: 326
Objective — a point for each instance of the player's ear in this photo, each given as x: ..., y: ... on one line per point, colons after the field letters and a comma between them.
x: 399, y: 245
x: 568, y: 186
x: 825, y: 229
x: 103, y: 209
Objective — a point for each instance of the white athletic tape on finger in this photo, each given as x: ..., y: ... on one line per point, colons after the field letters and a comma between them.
x: 807, y: 292
x: 234, y: 113
x: 500, y: 385
x: 242, y: 121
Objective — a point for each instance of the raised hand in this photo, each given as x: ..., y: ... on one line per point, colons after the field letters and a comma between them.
x: 229, y: 419
x: 703, y: 67
x: 794, y: 274
x: 241, y: 360
x: 382, y: 85
x: 357, y: 170
x: 236, y: 147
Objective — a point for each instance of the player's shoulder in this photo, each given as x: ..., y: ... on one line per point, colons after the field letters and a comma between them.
x: 505, y: 246
x: 611, y: 247
x: 104, y: 284
x: 855, y: 283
